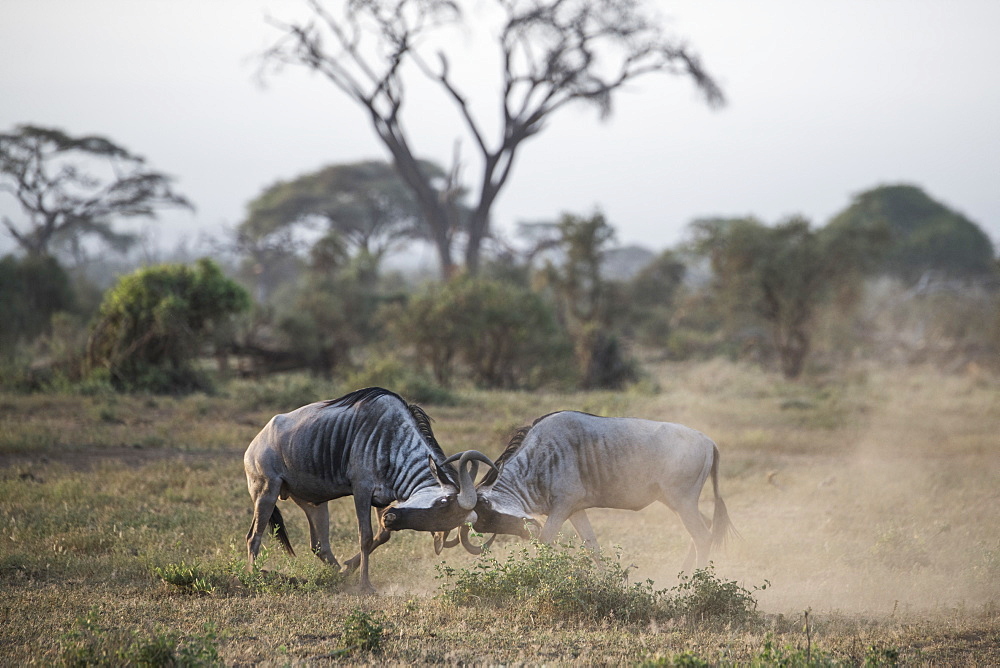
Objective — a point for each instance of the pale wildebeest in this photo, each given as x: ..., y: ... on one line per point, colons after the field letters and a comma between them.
x: 568, y: 461
x: 369, y: 444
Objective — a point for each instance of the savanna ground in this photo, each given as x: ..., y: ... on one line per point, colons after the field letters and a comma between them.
x: 869, y: 498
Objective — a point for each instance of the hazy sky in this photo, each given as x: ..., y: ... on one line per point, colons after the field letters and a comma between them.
x: 825, y: 99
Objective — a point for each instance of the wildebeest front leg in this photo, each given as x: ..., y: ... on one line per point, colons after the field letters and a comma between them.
x: 318, y: 515
x: 363, y: 508
x: 553, y: 523
x: 581, y: 523
x: 383, y: 536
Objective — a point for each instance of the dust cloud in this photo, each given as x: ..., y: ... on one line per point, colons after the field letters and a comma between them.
x: 894, y: 512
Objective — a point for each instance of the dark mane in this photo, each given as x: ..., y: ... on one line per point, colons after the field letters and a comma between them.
x: 558, y: 412
x: 424, y: 425
x: 513, y: 445
x: 362, y: 395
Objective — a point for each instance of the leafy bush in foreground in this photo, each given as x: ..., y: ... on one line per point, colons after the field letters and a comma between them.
x: 565, y: 580
x: 562, y: 580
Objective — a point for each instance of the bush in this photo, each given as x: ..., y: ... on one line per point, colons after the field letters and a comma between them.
x: 560, y: 580
x: 152, y: 324
x: 702, y: 596
x: 503, y: 335
x: 565, y: 580
x: 362, y: 632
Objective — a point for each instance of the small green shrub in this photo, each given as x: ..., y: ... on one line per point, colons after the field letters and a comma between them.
x: 317, y: 576
x: 90, y: 644
x: 565, y: 580
x: 702, y: 596
x: 362, y: 632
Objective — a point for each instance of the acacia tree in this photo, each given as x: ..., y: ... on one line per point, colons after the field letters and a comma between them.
x: 70, y: 187
x: 364, y: 203
x: 922, y: 234
x: 552, y: 53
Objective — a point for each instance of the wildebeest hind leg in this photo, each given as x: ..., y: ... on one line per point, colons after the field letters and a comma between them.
x: 700, y: 534
x: 264, y: 493
x: 318, y: 515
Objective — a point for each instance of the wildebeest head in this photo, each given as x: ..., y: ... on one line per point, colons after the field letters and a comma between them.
x: 440, y: 508
x: 492, y: 519
x: 496, y: 515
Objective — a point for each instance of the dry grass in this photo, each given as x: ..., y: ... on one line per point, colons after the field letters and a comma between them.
x: 869, y: 498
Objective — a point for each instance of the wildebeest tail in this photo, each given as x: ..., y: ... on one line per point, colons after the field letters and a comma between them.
x: 278, y: 524
x: 721, y: 524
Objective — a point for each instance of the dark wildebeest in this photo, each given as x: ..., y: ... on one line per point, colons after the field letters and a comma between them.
x: 369, y: 444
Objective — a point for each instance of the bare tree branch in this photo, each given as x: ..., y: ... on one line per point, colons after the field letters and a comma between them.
x: 553, y: 53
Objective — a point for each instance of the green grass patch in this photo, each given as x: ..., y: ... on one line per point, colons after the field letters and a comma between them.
x: 90, y: 643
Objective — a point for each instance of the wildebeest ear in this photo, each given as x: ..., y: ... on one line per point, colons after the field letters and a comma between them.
x: 439, y: 474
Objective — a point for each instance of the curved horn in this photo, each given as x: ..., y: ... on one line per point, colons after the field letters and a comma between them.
x: 471, y: 455
x: 468, y: 468
x: 441, y: 541
x: 470, y: 547
x: 467, y: 483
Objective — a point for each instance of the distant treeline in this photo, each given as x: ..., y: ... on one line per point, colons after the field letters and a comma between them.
x: 895, y: 276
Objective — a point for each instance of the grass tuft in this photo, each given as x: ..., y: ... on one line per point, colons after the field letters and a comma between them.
x: 188, y: 578
x: 362, y: 632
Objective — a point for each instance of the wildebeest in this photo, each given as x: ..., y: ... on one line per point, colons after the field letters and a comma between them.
x: 370, y: 444
x: 568, y: 461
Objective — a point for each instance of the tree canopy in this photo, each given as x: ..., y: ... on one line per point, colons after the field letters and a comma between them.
x: 552, y: 53
x: 365, y: 203
x: 70, y: 187
x: 923, y: 233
